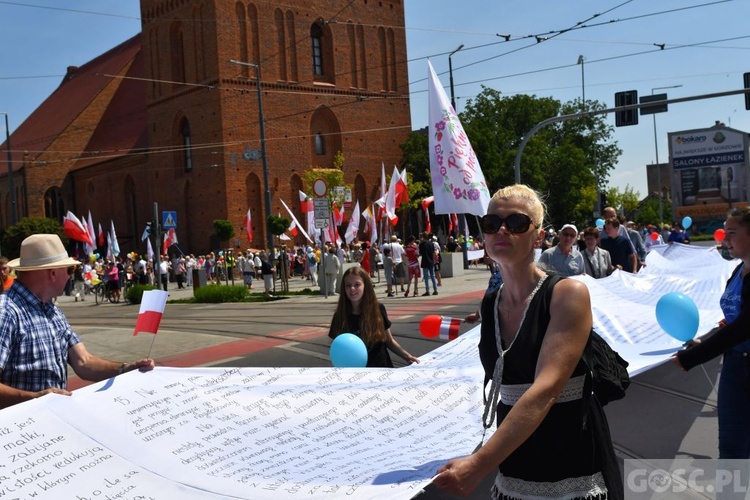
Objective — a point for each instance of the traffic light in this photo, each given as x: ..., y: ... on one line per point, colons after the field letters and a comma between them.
x: 629, y: 116
x: 746, y: 80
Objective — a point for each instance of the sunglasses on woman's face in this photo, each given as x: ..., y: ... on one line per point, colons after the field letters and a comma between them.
x: 514, y: 223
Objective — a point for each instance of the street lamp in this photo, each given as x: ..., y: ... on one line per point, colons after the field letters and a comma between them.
x: 656, y: 151
x: 450, y: 72
x: 264, y: 158
x: 11, y: 188
x: 583, y: 85
x: 461, y: 217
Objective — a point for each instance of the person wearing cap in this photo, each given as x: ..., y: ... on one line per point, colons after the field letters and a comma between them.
x: 36, y: 340
x: 564, y: 258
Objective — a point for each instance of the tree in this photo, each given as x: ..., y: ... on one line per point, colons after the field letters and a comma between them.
x: 624, y: 201
x: 14, y: 235
x: 223, y: 229
x: 277, y: 224
x: 564, y: 161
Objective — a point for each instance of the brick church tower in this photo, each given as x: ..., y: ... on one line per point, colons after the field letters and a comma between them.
x: 333, y: 79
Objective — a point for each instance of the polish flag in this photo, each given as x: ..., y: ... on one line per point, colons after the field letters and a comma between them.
x: 305, y: 203
x: 426, y: 209
x: 73, y: 229
x: 152, y: 309
x: 293, y: 228
x: 100, y: 241
x: 248, y: 223
x: 402, y: 190
x: 170, y: 238
x: 90, y: 229
x: 444, y: 327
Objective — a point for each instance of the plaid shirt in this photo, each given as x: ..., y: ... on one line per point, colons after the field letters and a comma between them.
x: 34, y: 341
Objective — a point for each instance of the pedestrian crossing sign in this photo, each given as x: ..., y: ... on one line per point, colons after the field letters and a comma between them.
x: 169, y: 220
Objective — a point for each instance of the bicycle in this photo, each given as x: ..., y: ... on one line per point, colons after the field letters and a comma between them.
x: 100, y: 293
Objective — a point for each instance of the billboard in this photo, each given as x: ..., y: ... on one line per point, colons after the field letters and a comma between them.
x: 708, y: 173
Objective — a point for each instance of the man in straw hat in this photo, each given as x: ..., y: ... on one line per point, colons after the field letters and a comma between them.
x: 36, y: 340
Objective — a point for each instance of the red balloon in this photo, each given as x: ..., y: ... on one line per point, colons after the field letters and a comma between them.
x: 654, y: 235
x: 719, y: 235
x: 430, y: 326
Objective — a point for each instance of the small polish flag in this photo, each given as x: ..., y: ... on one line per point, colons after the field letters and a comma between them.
x: 152, y: 309
x: 443, y: 326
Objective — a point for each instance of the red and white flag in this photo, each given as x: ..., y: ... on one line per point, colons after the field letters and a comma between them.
x: 353, y: 228
x: 100, y: 240
x: 248, y: 224
x: 74, y: 230
x: 295, y: 222
x: 90, y: 229
x: 402, y: 190
x: 170, y: 238
x: 151, y: 311
x: 306, y: 203
x: 293, y: 228
x: 426, y: 209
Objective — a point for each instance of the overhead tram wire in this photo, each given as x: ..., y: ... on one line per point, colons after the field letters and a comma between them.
x: 698, y: 44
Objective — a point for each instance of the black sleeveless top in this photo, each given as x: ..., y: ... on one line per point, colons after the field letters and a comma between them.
x: 560, y: 459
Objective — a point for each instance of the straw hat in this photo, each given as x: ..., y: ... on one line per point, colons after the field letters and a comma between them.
x: 42, y: 251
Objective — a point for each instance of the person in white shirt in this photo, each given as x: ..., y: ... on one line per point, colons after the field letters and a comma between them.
x: 399, y: 266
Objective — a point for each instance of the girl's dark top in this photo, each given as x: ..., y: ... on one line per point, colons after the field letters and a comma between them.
x: 563, y: 449
x: 725, y: 337
x: 377, y: 354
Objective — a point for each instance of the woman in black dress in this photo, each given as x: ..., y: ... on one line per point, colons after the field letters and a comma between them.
x: 552, y: 440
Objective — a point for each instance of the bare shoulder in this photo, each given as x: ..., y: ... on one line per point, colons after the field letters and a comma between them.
x: 571, y: 294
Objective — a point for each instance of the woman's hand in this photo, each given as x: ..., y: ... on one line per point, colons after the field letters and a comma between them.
x: 409, y: 358
x: 460, y: 476
x: 472, y: 318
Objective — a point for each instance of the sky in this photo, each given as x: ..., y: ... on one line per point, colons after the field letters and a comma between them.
x: 705, y: 50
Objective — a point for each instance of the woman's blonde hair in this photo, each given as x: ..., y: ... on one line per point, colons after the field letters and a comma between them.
x: 371, y: 326
x: 523, y: 194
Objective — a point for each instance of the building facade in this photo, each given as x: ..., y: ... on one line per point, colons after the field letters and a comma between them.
x: 172, y: 117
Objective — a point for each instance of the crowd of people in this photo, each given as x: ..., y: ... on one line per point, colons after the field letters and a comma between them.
x: 552, y: 437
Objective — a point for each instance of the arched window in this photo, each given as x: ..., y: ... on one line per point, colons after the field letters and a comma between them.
x: 186, y: 142
x: 316, y: 37
x: 320, y: 144
x: 242, y: 35
x: 178, y: 52
x: 54, y: 207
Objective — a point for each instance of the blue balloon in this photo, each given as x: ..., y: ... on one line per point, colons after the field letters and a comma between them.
x: 600, y: 223
x: 678, y: 315
x: 348, y: 351
x: 687, y: 222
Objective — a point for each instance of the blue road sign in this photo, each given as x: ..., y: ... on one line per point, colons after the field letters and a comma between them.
x: 169, y: 220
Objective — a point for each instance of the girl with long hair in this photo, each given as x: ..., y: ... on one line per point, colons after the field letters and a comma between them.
x: 360, y: 313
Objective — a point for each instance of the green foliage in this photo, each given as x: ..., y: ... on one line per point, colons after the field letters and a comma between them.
x: 334, y: 177
x: 565, y: 161
x: 648, y: 211
x: 14, y: 235
x: 215, y: 294
x: 134, y: 295
x: 277, y: 224
x: 223, y: 229
x: 626, y: 200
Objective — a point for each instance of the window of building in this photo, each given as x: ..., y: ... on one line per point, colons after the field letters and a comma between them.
x: 187, y: 145
x: 320, y: 144
x: 316, y: 35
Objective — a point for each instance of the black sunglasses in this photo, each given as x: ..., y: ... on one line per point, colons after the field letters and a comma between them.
x: 514, y: 223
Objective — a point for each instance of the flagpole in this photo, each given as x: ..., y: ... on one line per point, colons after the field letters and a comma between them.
x: 150, y: 348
